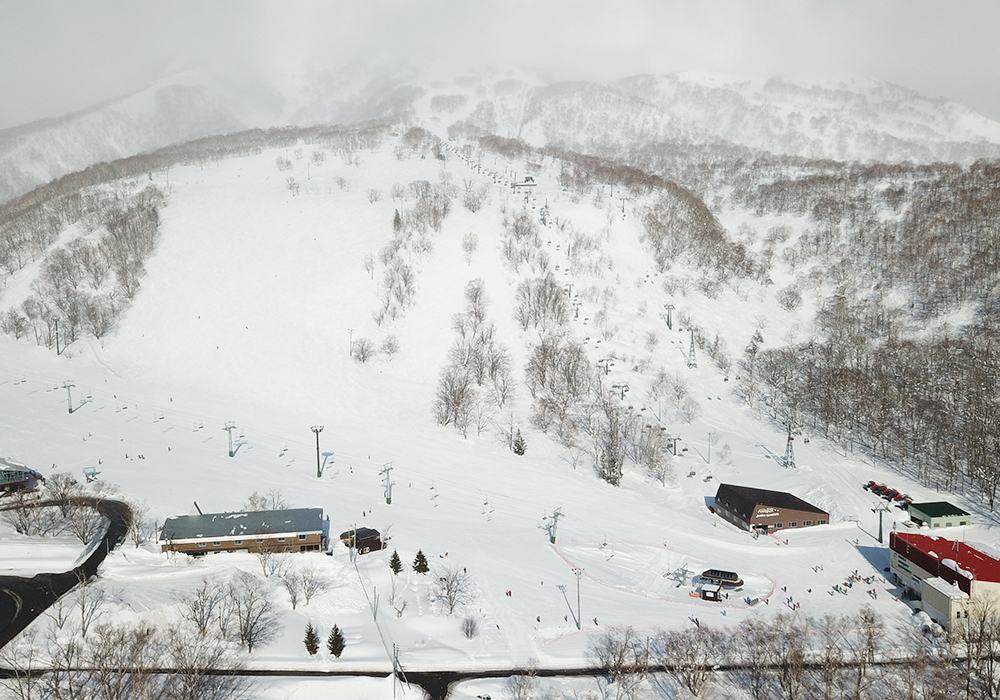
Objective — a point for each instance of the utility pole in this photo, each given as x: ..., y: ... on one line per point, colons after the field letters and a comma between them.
x: 350, y: 344
x: 386, y: 469
x: 692, y: 361
x: 56, y: 319
x: 579, y: 574
x: 69, y: 394
x: 881, y: 507
x: 556, y: 514
x: 229, y: 428
x: 790, y: 454
x: 317, y: 429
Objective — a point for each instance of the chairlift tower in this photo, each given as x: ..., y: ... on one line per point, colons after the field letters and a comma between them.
x: 317, y: 429
x: 69, y: 394
x: 387, y: 482
x: 229, y: 428
x: 556, y: 514
x: 692, y: 361
x: 789, y: 452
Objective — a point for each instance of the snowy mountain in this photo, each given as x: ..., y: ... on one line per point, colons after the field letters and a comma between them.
x: 186, y: 107
x: 270, y: 269
x: 851, y: 121
x: 426, y: 292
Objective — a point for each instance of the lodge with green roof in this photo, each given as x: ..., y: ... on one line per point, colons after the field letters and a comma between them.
x: 937, y: 514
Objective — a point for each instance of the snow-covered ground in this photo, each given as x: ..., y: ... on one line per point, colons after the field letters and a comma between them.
x: 246, y: 314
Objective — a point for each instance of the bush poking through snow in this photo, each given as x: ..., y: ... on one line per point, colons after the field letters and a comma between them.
x: 470, y: 627
x: 364, y: 350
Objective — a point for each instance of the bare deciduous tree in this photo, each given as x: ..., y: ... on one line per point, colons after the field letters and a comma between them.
x: 524, y: 685
x: 389, y: 346
x: 623, y: 656
x: 690, y: 654
x: 200, y: 606
x: 364, y: 350
x: 293, y: 586
x: 88, y: 599
x: 470, y: 242
x: 451, y: 588
x: 253, y: 611
x: 197, y: 661
x: 470, y: 627
x: 313, y: 582
x: 272, y: 500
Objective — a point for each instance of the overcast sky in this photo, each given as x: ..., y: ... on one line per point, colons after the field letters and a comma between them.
x: 61, y: 56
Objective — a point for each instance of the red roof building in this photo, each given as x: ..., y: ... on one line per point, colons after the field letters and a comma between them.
x: 945, y: 574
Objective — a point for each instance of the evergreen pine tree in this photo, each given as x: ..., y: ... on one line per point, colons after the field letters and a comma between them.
x: 397, y: 222
x: 420, y: 563
x: 520, y: 447
x: 312, y: 639
x: 394, y: 563
x: 335, y: 642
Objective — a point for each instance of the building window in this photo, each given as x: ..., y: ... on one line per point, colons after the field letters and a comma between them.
x: 217, y: 544
x: 822, y: 522
x: 964, y: 522
x: 302, y: 537
x: 937, y: 524
x: 281, y: 539
x: 794, y: 523
x: 238, y: 542
x: 807, y: 523
x: 948, y: 524
x: 777, y: 526
x: 202, y: 544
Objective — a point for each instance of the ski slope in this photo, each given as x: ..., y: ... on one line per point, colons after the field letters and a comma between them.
x: 247, y: 314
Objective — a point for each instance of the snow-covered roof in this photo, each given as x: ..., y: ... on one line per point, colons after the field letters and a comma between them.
x: 949, y: 590
x: 246, y: 523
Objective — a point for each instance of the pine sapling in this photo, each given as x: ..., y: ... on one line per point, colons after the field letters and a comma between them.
x: 335, y: 642
x: 312, y: 639
x: 394, y: 563
x: 520, y: 447
x: 420, y: 563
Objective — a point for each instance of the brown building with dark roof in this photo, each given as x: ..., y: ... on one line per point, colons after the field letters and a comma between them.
x: 760, y: 509
x: 289, y: 530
